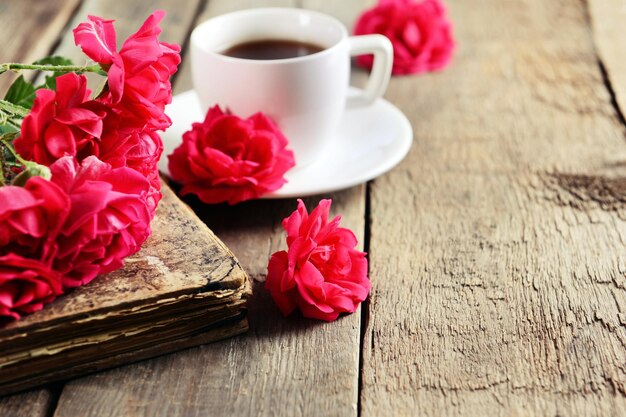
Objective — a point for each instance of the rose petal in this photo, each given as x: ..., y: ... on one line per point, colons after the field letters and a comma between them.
x: 96, y: 37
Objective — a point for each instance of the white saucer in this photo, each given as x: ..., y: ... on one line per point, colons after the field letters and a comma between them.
x: 369, y: 142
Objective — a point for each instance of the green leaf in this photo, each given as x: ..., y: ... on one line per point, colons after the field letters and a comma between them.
x: 21, y: 93
x: 50, y: 81
x: 7, y: 129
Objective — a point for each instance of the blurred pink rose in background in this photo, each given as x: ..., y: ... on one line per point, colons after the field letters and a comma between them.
x: 420, y: 32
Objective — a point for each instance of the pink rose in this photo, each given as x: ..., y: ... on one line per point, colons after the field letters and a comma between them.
x: 64, y: 123
x: 30, y: 218
x: 60, y: 233
x: 144, y: 157
x: 321, y: 273
x: 22, y: 221
x: 230, y: 159
x: 139, y: 74
x: 108, y: 219
x: 138, y: 90
x: 25, y: 285
x: 61, y: 123
x: 139, y: 150
x: 420, y: 32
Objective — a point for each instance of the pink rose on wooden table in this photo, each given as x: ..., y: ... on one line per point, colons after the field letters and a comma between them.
x: 139, y: 73
x: 61, y: 123
x: 108, y: 219
x: 420, y: 32
x: 229, y: 159
x: 25, y: 286
x: 321, y: 273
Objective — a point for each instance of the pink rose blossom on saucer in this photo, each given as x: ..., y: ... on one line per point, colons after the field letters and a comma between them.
x: 419, y: 30
x: 321, y: 273
x: 230, y: 159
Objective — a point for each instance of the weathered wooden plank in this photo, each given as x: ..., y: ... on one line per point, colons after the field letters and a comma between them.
x: 35, y: 403
x: 30, y: 29
x: 608, y: 18
x: 281, y: 367
x: 498, y: 248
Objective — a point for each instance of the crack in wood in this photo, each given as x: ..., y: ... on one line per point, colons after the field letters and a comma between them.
x: 619, y: 114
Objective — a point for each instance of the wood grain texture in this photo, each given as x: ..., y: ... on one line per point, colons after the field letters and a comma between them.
x: 282, y: 366
x: 498, y: 247
x: 608, y: 18
x: 30, y: 29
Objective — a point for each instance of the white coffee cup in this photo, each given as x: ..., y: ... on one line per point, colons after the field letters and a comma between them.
x: 305, y: 95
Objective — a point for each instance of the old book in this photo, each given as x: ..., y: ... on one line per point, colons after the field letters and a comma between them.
x: 182, y: 289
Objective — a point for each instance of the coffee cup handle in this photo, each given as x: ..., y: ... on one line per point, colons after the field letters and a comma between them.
x: 382, y: 49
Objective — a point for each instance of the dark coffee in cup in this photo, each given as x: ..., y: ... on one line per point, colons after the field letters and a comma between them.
x: 268, y: 49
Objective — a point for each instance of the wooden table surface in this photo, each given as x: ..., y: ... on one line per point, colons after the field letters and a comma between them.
x: 497, y: 248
